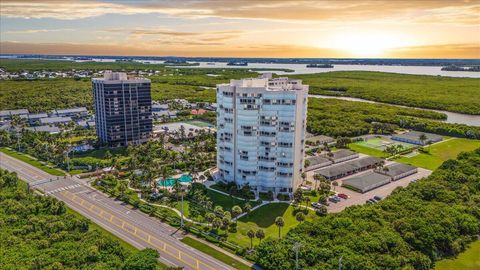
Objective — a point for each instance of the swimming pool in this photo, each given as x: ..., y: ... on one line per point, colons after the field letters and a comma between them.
x: 171, y: 181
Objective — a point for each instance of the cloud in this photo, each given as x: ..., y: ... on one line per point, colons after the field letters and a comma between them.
x: 33, y: 31
x: 464, y: 50
x: 428, y: 11
x: 163, y: 48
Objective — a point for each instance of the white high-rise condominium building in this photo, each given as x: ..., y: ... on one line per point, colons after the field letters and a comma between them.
x: 261, y: 132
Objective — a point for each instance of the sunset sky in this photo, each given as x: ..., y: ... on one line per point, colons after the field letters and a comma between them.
x: 406, y: 29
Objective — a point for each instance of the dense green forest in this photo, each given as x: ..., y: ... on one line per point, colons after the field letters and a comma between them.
x: 431, y: 219
x: 431, y: 92
x: 348, y: 118
x: 47, y: 94
x: 39, y: 232
x: 16, y: 65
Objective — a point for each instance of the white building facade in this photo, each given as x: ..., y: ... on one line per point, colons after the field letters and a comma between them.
x: 261, y: 132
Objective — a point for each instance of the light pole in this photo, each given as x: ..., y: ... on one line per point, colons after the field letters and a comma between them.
x: 296, y: 247
x: 181, y: 219
x: 340, y: 263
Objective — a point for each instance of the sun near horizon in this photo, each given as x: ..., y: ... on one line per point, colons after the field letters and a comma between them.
x: 373, y: 29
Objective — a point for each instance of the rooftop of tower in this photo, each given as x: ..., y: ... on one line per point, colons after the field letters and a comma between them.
x: 270, y: 84
x: 109, y: 76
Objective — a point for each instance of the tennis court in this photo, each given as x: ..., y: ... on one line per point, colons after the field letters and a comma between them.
x: 199, y: 123
x: 382, y: 143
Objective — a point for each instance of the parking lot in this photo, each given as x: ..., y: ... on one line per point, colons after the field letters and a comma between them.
x: 356, y: 198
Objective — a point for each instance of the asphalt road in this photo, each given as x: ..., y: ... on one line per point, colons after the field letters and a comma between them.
x: 131, y: 225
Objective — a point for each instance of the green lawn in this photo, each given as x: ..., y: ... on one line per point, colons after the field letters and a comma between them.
x: 225, y: 201
x: 32, y: 161
x: 441, y: 152
x: 97, y: 157
x: 215, y: 253
x: 264, y: 218
x: 467, y: 260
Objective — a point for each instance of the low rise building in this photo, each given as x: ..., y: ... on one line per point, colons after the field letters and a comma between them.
x: 398, y: 170
x: 159, y: 107
x: 319, y: 140
x: 366, y: 182
x: 49, y: 129
x: 78, y: 112
x: 317, y: 162
x: 55, y: 120
x: 34, y: 118
x: 349, y: 167
x: 415, y: 137
x: 340, y: 155
x: 7, y: 114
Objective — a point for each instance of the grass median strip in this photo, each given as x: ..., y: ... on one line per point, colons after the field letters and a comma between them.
x: 32, y: 161
x: 215, y: 253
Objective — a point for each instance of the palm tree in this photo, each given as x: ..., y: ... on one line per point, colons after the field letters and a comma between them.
x: 316, y: 178
x: 251, y: 235
x: 280, y: 222
x: 260, y: 234
x: 307, y: 201
x: 300, y: 217
x: 122, y: 187
x: 422, y: 138
x: 216, y: 223
x: 210, y: 217
x: 236, y: 210
x: 247, y: 207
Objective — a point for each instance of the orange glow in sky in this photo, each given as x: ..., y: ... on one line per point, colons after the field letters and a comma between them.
x: 303, y: 28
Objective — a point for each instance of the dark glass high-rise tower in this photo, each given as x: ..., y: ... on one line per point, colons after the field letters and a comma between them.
x: 123, y: 109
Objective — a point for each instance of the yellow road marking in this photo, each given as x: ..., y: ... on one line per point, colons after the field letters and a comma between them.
x: 179, y: 254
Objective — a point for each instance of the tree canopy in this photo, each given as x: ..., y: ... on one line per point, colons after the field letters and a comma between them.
x: 436, y: 217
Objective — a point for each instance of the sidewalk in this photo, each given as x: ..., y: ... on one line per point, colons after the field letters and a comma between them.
x: 240, y: 259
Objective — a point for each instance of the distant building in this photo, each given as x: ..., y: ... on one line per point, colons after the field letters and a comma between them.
x: 159, y: 107
x: 7, y: 114
x: 56, y: 120
x: 34, y: 118
x: 49, y: 129
x: 123, y: 109
x: 260, y: 132
x: 413, y: 137
x: 72, y: 112
x: 198, y: 111
x: 320, y: 139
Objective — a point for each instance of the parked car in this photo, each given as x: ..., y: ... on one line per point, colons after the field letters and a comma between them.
x: 343, y: 196
x: 372, y: 200
x: 316, y: 205
x: 377, y: 198
x: 334, y: 199
x: 368, y: 202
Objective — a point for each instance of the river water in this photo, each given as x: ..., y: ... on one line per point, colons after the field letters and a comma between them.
x: 452, y: 117
x: 302, y: 69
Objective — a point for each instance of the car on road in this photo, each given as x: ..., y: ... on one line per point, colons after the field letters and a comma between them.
x: 377, y: 198
x: 316, y: 205
x: 343, y: 196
